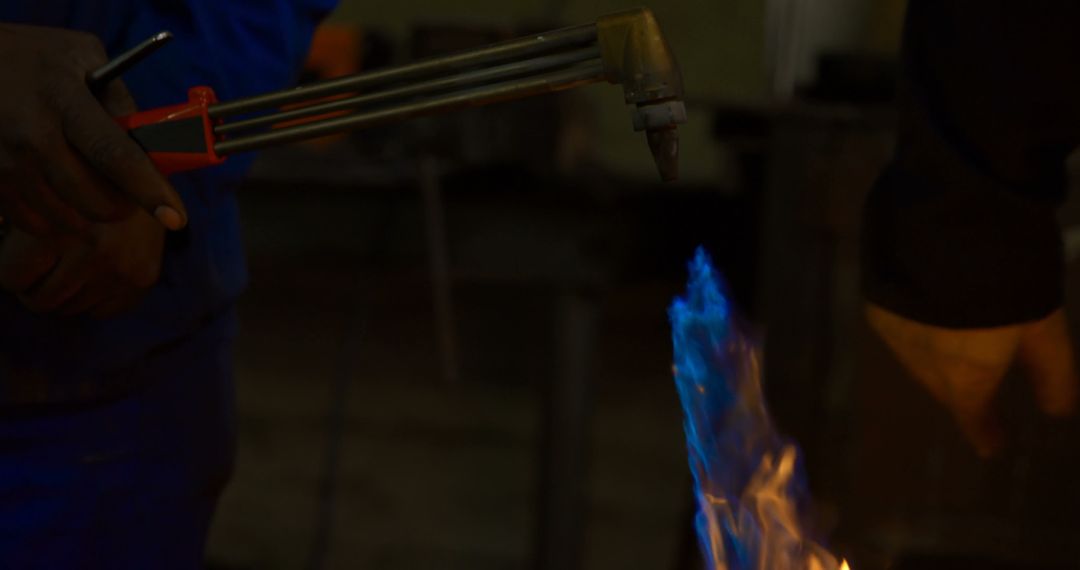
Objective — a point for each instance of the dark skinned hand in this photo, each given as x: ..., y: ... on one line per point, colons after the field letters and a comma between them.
x: 64, y: 162
x: 103, y: 272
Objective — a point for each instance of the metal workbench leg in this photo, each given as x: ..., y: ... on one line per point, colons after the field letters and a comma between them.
x: 565, y: 446
x: 439, y: 267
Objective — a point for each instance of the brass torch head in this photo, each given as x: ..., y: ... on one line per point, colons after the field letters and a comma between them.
x: 636, y: 55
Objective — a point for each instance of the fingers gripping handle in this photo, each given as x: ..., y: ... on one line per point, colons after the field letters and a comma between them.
x: 180, y: 137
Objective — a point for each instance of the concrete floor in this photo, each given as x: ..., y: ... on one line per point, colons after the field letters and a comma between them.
x: 431, y: 476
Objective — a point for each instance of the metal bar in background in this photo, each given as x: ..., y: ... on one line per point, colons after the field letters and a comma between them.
x: 468, y: 79
x: 562, y: 514
x: 497, y: 53
x: 334, y: 445
x: 431, y: 191
x: 591, y: 72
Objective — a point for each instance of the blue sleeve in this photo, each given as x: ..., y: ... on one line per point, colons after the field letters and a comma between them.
x: 237, y: 47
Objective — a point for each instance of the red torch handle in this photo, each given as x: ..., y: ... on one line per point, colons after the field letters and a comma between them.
x: 180, y: 137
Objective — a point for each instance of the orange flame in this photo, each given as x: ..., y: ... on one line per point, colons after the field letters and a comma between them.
x: 748, y: 477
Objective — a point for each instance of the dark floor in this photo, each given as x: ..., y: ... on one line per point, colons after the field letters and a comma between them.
x: 438, y: 476
x: 432, y: 476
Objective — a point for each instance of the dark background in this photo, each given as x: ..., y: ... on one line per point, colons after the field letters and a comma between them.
x: 454, y: 350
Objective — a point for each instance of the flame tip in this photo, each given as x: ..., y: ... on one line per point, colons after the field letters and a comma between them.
x: 748, y: 478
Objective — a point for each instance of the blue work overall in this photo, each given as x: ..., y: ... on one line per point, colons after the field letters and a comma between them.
x: 117, y: 436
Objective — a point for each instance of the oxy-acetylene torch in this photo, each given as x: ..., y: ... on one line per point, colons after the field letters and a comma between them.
x: 625, y: 48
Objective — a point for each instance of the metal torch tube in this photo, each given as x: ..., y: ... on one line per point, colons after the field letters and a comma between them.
x: 497, y: 53
x: 100, y: 77
x: 516, y: 89
x: 468, y: 79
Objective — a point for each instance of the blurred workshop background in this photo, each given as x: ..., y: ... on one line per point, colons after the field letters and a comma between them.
x: 454, y: 350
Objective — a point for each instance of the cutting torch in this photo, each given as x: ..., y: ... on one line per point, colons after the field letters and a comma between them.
x: 626, y: 48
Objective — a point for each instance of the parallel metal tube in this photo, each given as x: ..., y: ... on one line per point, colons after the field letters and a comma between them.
x: 509, y: 90
x: 497, y: 53
x: 100, y: 77
x: 468, y: 79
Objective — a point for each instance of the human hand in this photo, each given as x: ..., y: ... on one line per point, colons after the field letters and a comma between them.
x: 64, y: 162
x: 104, y: 272
x: 963, y: 368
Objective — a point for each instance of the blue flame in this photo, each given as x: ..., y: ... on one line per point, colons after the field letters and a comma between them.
x: 748, y: 480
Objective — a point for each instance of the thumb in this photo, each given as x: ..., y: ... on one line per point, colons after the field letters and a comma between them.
x: 111, y: 152
x: 1046, y: 352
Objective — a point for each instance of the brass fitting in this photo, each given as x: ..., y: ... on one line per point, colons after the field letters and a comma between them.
x: 636, y: 55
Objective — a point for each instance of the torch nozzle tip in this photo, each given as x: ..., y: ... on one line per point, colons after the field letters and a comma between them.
x: 664, y: 144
